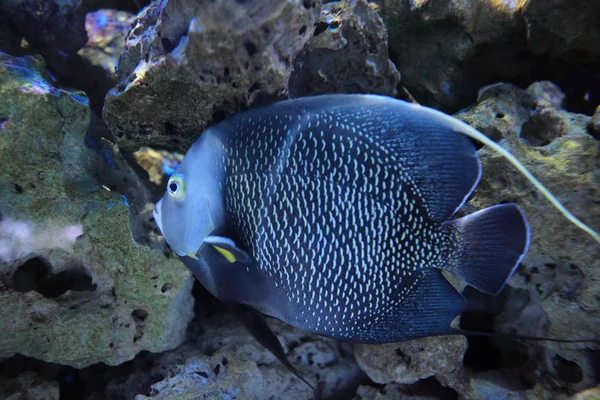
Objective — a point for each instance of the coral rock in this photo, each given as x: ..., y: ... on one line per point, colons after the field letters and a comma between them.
x: 412, y: 360
x: 106, y: 30
x: 29, y: 386
x: 189, y: 64
x: 98, y: 296
x: 53, y: 23
x: 447, y: 49
x: 347, y: 54
x: 554, y: 292
x: 224, y: 361
x: 389, y: 392
x: 562, y: 26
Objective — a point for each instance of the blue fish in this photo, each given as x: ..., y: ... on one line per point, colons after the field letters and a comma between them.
x: 334, y: 214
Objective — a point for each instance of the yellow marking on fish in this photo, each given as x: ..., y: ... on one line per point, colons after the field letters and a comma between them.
x: 192, y: 255
x: 113, y: 146
x: 149, y: 207
x: 226, y: 253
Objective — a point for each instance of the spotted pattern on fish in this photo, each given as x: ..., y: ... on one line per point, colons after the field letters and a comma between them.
x: 330, y: 216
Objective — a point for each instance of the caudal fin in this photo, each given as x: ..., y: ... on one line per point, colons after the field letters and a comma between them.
x: 490, y: 245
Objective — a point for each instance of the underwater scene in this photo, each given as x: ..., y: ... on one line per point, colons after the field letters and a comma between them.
x: 299, y: 199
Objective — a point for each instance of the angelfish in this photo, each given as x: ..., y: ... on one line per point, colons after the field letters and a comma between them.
x: 333, y: 214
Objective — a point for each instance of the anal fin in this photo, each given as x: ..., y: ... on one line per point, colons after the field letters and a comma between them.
x: 426, y: 310
x: 257, y: 324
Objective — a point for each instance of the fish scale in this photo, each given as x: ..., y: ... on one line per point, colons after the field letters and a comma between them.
x: 332, y: 213
x: 309, y: 166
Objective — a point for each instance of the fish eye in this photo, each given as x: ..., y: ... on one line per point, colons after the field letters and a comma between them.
x: 176, y: 187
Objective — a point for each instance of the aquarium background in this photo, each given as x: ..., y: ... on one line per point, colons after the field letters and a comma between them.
x: 100, y: 99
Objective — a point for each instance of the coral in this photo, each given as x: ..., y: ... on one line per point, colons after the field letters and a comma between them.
x: 493, y: 387
x: 157, y: 163
x: 93, y: 68
x: 106, y: 31
x: 79, y: 299
x: 347, y: 54
x: 17, y: 240
x: 446, y: 50
x: 187, y: 65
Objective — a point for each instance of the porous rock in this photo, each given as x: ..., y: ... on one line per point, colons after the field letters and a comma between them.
x: 54, y: 23
x: 595, y: 124
x: 224, y: 361
x: 447, y: 49
x: 558, y: 27
x: 589, y: 394
x: 124, y: 5
x: 552, y: 293
x: 347, y: 54
x: 388, y: 392
x: 76, y: 288
x: 492, y: 386
x: 29, y: 386
x: 412, y: 360
x: 189, y: 64
x: 555, y: 290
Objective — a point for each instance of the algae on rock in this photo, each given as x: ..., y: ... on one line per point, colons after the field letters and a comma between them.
x: 108, y: 298
x: 554, y: 292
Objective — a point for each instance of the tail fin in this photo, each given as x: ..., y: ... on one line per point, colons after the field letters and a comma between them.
x: 490, y: 245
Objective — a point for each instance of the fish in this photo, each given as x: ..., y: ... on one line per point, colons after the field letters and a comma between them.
x: 334, y: 214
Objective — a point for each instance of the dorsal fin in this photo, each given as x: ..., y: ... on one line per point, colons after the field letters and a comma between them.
x: 427, y: 126
x: 444, y: 167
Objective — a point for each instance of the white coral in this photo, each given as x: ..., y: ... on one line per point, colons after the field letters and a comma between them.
x: 18, y: 239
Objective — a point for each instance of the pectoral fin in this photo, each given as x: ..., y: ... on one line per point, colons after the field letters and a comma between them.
x: 257, y: 324
x: 227, y: 248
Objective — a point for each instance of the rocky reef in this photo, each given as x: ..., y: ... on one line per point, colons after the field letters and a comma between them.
x: 71, y: 288
x: 210, y: 60
x: 95, y: 98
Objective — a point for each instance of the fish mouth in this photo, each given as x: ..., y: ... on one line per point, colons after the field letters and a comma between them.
x: 156, y: 213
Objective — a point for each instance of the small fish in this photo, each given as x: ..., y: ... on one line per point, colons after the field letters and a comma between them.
x: 332, y: 213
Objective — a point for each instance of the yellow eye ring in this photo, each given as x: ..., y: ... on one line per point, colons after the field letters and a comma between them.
x: 176, y: 187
